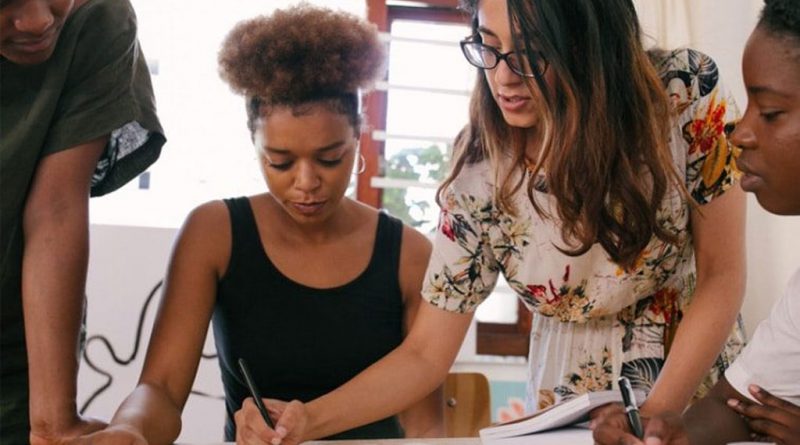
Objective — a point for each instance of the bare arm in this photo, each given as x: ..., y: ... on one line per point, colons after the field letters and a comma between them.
x: 426, y: 417
x: 711, y: 421
x: 56, y: 230
x: 153, y: 410
x: 720, y: 255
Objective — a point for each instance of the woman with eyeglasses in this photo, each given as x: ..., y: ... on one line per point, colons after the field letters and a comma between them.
x: 597, y: 178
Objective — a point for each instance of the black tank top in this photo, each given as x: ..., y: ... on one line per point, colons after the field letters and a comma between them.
x: 301, y: 342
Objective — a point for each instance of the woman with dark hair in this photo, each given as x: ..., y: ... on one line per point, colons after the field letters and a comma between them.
x: 604, y: 199
x: 306, y: 285
x: 602, y: 202
x: 759, y: 395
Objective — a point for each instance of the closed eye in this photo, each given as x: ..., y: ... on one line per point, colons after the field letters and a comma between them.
x: 329, y: 162
x: 770, y: 116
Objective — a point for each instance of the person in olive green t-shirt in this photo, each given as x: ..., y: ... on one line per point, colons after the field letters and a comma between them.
x: 77, y: 117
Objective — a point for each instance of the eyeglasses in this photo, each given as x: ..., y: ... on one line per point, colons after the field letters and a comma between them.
x: 487, y: 57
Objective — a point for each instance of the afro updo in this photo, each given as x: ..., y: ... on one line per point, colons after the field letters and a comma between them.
x: 781, y: 17
x: 301, y: 54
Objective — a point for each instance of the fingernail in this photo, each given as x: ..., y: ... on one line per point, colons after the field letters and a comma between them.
x: 652, y: 441
x: 281, y: 430
x: 592, y: 424
x: 733, y: 403
x: 275, y: 441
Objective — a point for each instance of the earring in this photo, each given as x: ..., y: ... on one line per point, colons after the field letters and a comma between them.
x: 362, y: 164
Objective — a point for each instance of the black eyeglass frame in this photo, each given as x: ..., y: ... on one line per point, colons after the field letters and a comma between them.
x: 503, y: 57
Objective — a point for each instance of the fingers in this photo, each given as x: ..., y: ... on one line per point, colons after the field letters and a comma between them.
x: 613, y: 414
x: 292, y: 423
x: 765, y: 397
x: 608, y: 434
x: 606, y: 410
x: 776, y: 418
x: 665, y: 429
x: 251, y: 429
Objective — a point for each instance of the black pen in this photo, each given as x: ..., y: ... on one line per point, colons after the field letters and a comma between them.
x: 248, y: 379
x: 629, y: 399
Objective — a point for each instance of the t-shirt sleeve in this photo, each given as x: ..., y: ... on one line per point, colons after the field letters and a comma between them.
x: 710, y: 158
x: 108, y: 91
x: 772, y: 358
x: 462, y: 270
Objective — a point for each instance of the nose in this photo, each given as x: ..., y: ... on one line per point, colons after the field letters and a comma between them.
x: 503, y: 74
x: 743, y: 135
x: 34, y: 17
x: 306, y: 179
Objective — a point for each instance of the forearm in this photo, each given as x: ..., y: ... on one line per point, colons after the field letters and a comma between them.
x: 385, y: 388
x: 710, y: 422
x: 54, y: 271
x: 150, y: 412
x: 702, y: 333
x: 425, y: 418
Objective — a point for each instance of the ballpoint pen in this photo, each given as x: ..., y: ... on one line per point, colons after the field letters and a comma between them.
x: 251, y: 385
x: 631, y: 410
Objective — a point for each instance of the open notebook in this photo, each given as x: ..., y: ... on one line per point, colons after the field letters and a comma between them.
x: 568, y: 412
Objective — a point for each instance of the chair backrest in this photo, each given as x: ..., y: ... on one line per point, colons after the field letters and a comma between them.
x: 467, y: 405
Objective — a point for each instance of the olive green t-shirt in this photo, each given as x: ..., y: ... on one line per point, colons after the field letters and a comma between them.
x: 96, y: 83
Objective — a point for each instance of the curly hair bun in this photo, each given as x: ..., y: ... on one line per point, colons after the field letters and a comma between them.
x: 301, y: 53
x: 782, y: 16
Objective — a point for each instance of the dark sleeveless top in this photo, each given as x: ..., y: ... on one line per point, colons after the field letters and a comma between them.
x: 302, y: 342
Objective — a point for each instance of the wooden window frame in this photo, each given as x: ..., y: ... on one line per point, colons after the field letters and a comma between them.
x: 510, y: 339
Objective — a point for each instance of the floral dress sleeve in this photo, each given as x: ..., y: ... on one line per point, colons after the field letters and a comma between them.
x: 462, y: 270
x: 707, y: 114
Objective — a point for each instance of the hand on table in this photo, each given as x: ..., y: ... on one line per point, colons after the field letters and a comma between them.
x: 290, y: 420
x: 112, y: 435
x: 774, y: 419
x: 81, y: 426
x: 610, y: 427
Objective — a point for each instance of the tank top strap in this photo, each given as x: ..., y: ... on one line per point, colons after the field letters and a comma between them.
x: 245, y: 240
x: 388, y: 241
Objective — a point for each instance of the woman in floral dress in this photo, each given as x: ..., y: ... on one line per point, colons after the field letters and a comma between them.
x: 598, y: 179
x: 605, y: 203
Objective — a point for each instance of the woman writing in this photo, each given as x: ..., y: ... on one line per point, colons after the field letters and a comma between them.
x: 308, y: 286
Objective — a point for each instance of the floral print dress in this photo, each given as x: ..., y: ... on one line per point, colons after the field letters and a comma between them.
x: 592, y: 320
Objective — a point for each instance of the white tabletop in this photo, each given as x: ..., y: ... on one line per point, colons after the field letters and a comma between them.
x: 565, y: 436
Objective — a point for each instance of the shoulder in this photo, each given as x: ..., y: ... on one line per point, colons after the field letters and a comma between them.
x: 687, y: 73
x: 100, y: 31
x: 206, y: 233
x: 474, y: 182
x: 415, y: 247
x: 104, y: 18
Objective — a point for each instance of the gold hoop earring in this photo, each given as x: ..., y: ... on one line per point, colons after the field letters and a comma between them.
x: 362, y: 164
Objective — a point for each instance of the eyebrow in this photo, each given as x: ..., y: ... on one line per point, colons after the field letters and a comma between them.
x: 325, y: 149
x: 759, y: 89
x: 485, y: 30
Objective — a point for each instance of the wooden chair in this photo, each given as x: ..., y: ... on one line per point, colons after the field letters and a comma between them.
x: 467, y: 406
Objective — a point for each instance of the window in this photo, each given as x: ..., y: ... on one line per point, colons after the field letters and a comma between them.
x: 414, y: 116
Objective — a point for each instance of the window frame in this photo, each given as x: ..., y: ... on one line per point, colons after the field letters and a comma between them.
x: 508, y: 339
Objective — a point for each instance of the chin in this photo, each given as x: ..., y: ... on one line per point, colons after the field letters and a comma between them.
x: 779, y: 205
x: 520, y: 121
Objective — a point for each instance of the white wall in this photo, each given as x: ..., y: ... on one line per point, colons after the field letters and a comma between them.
x: 126, y: 262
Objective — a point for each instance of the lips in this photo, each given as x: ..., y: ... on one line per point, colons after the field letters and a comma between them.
x: 750, y: 181
x: 35, y: 45
x: 512, y: 102
x: 308, y: 207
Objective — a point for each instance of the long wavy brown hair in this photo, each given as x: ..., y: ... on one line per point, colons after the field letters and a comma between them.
x: 604, y: 126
